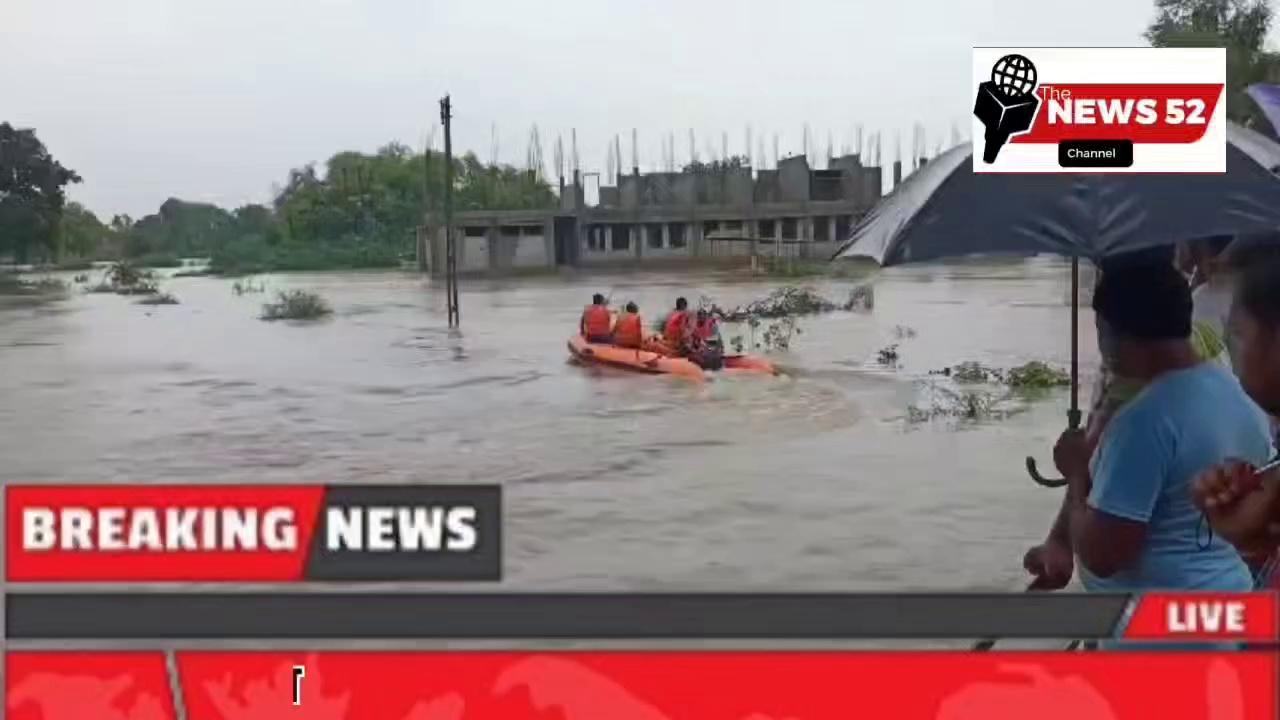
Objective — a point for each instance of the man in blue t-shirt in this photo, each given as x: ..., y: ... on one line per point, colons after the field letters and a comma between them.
x: 1130, y: 520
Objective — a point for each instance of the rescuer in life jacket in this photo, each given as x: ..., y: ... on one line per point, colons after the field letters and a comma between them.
x: 705, y: 346
x: 673, y: 333
x: 628, y: 330
x: 597, y: 321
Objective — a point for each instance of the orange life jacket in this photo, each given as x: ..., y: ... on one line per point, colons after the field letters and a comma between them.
x: 674, y: 330
x: 596, y: 320
x: 706, y: 330
x: 628, y: 331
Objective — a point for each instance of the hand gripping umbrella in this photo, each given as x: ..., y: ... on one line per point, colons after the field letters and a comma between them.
x: 944, y: 210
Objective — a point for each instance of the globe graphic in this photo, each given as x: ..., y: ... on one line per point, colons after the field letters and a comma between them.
x: 1014, y: 75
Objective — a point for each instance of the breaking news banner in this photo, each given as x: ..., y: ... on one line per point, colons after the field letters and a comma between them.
x: 570, y: 685
x: 252, y: 533
x: 1092, y: 110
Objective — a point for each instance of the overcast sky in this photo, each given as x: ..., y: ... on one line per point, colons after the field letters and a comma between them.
x: 215, y: 100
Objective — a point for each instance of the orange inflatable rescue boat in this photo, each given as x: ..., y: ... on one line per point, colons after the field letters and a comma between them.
x: 656, y: 363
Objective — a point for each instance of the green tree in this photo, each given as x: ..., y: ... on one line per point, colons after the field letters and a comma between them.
x: 384, y: 196
x: 1239, y: 26
x: 121, y: 223
x: 82, y: 234
x: 253, y: 219
x: 181, y: 229
x: 32, y: 195
x: 361, y: 212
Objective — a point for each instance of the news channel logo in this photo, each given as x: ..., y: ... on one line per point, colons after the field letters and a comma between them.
x: 1091, y: 110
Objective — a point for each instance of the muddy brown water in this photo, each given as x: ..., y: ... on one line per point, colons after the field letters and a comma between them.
x: 614, y: 481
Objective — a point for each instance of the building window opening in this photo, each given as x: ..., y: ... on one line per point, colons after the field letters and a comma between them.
x: 621, y: 238
x: 677, y: 234
x: 653, y: 233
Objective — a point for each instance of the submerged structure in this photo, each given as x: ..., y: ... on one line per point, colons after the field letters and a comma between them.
x: 705, y: 213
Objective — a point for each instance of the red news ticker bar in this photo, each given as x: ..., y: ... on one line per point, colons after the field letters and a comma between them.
x: 646, y: 686
x: 60, y: 564
x: 1253, y: 617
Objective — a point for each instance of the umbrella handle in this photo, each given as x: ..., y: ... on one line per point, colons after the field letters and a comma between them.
x: 1073, y: 421
x: 1040, y: 479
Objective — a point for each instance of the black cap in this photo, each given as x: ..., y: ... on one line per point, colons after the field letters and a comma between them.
x: 1148, y: 301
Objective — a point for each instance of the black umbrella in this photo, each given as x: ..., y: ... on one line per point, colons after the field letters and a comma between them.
x: 944, y: 209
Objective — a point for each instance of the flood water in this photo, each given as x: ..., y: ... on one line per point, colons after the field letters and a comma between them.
x: 613, y: 481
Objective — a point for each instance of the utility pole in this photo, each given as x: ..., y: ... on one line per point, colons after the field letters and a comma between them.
x: 451, y: 257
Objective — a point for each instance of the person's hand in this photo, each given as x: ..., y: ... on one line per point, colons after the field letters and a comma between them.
x: 1223, y: 485
x: 1242, y: 508
x: 1071, y: 454
x: 1051, y: 563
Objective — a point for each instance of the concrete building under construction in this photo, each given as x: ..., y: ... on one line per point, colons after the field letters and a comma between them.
x: 720, y: 215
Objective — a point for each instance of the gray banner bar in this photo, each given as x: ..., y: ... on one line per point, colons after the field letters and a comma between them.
x: 36, y: 616
x: 482, y: 561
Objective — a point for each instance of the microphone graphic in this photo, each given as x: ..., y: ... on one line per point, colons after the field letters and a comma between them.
x: 1006, y: 103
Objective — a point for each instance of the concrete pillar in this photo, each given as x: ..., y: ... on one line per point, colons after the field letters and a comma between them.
x: 831, y: 230
x: 579, y: 227
x: 666, y: 235
x: 422, y: 249
x: 549, y: 241
x: 493, y: 238
x: 459, y: 248
x: 439, y: 254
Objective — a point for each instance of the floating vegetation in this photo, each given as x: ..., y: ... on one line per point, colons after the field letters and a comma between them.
x: 902, y: 332
x: 783, y: 306
x: 783, y: 302
x: 943, y: 402
x: 142, y: 288
x: 958, y: 399
x: 1036, y: 374
x: 159, y: 298
x: 778, y: 335
x: 296, y: 305
x: 125, y: 274
x: 125, y: 278
x: 862, y: 299
x: 82, y: 278
x: 888, y: 355
x: 248, y: 286
x: 974, y: 372
x: 1029, y: 376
